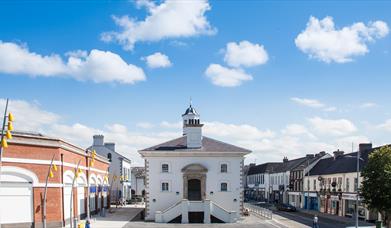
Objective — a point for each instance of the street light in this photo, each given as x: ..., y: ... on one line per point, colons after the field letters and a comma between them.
x: 7, y: 135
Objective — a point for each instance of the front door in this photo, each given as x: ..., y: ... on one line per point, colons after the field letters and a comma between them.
x: 194, y: 189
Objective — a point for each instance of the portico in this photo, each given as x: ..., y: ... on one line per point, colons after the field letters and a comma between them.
x: 194, y: 181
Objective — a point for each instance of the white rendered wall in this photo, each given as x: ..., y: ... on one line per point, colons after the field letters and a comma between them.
x: 175, y: 179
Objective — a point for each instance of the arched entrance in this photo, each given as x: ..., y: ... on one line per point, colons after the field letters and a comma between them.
x: 194, y: 180
x: 194, y: 189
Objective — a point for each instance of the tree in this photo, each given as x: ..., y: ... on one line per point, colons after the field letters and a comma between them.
x: 376, y: 186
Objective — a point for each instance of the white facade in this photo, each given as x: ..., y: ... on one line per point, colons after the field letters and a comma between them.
x: 160, y: 200
x: 138, y: 181
x: 119, y: 169
x: 191, y: 174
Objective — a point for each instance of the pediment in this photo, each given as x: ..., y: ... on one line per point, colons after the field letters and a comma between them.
x: 194, y: 168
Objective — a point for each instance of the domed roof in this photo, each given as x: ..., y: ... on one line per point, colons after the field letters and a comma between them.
x: 190, y: 110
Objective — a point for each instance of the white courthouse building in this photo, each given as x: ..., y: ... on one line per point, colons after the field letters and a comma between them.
x: 193, y: 178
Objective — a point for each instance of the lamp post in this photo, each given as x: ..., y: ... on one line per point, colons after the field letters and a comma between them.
x: 3, y: 138
x: 77, y: 171
x: 50, y: 174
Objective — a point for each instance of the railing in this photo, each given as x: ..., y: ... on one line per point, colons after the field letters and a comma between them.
x: 222, y: 214
x: 264, y: 212
x: 169, y: 213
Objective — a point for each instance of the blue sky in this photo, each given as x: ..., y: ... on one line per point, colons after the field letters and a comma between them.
x: 306, y: 94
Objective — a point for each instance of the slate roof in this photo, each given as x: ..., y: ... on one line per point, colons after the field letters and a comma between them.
x: 190, y: 110
x: 263, y: 168
x: 290, y: 164
x: 103, y: 149
x: 278, y: 167
x: 346, y: 163
x: 208, y: 145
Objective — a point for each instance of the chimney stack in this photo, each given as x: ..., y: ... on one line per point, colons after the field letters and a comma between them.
x: 364, y: 146
x: 322, y: 153
x: 285, y: 159
x: 338, y: 153
x: 110, y: 146
x: 252, y: 164
x: 309, y: 156
x: 97, y: 140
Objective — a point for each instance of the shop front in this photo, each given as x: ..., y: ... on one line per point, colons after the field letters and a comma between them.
x: 336, y: 205
x: 311, y: 201
x: 294, y: 199
x: 350, y: 206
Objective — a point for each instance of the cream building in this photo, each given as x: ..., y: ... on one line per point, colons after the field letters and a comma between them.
x: 193, y: 178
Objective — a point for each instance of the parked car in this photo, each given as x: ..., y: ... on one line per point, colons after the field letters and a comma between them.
x: 286, y: 207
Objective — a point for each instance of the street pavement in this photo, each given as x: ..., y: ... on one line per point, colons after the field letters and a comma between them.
x: 122, y: 218
x: 324, y: 222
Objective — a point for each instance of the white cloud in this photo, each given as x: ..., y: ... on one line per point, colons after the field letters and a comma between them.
x: 385, y: 126
x: 308, y: 102
x: 236, y: 132
x: 170, y: 19
x: 297, y: 129
x: 333, y: 127
x: 226, y: 77
x: 368, y: 105
x: 322, y: 41
x: 294, y: 140
x: 97, y: 66
x: 158, y: 60
x: 176, y: 125
x: 28, y: 115
x: 313, y: 103
x: 245, y: 54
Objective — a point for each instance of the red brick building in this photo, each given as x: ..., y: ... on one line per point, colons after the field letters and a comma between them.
x: 24, y: 169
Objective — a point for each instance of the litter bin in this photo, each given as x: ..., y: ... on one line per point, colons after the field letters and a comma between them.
x: 378, y: 224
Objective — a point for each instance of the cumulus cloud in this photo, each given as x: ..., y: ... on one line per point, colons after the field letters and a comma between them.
x: 294, y: 140
x: 30, y: 116
x: 313, y: 103
x: 158, y: 60
x: 385, y: 126
x: 170, y: 19
x: 235, y: 131
x: 226, y: 77
x: 323, y: 41
x: 245, y: 54
x: 308, y: 102
x: 333, y: 127
x: 97, y: 66
x: 297, y: 129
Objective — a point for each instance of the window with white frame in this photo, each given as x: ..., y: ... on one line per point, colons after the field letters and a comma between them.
x: 165, y: 168
x: 224, y: 168
x: 223, y: 186
x: 165, y: 187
